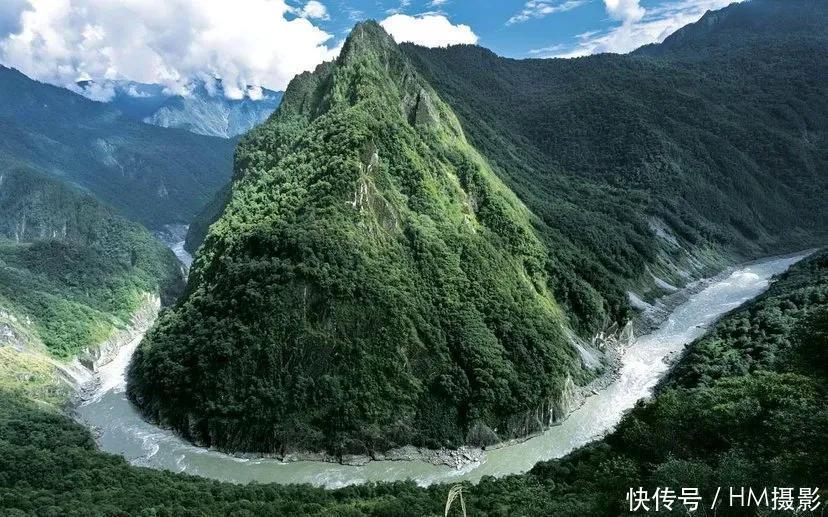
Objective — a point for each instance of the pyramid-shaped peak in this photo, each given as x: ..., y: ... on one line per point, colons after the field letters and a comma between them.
x: 367, y: 36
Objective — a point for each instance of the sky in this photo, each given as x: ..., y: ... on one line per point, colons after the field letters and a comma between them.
x: 264, y: 43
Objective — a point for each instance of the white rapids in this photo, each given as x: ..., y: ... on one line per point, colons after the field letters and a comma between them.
x: 121, y: 430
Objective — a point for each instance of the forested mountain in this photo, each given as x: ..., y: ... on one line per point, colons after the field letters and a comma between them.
x: 152, y: 175
x: 204, y: 110
x: 371, y: 282
x: 727, y: 150
x: 71, y: 269
x: 385, y: 273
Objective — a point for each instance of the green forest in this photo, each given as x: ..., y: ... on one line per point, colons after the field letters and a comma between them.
x: 718, y: 135
x: 71, y: 266
x: 370, y: 284
x: 746, y: 406
x: 417, y: 248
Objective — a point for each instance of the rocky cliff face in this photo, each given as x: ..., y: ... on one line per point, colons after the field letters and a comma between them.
x: 215, y: 115
x: 99, y: 354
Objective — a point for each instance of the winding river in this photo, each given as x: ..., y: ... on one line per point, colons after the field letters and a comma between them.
x: 121, y: 430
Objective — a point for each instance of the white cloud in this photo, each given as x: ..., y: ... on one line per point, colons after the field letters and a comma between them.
x: 314, y: 10
x: 542, y: 8
x: 171, y: 42
x: 428, y: 30
x: 627, y: 11
x: 640, y: 26
x: 547, y: 51
x: 437, y: 3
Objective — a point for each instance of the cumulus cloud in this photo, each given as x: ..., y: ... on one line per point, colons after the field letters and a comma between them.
x: 628, y: 11
x: 314, y: 10
x: 170, y: 42
x: 428, y: 30
x: 542, y: 8
x: 640, y: 26
x: 10, y: 15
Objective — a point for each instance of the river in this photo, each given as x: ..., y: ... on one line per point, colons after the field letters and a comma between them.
x: 121, y: 430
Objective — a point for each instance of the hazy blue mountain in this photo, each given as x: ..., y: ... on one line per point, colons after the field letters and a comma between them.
x: 205, y: 111
x: 152, y: 175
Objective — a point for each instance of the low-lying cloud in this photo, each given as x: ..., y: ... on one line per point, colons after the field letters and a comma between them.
x: 169, y: 42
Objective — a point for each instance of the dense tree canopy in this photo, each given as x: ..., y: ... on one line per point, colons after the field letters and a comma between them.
x: 370, y: 284
x: 72, y: 267
x: 759, y: 421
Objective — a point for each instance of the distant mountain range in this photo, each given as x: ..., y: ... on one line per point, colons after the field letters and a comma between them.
x: 205, y: 110
x: 153, y: 175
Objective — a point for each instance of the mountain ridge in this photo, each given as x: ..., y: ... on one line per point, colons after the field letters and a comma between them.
x: 153, y: 175
x: 405, y: 219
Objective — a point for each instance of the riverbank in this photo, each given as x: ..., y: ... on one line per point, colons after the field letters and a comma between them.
x: 124, y: 432
x: 613, y: 342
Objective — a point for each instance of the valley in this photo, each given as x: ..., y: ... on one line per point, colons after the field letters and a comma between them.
x: 120, y: 429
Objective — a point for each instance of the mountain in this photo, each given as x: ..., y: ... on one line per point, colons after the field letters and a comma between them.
x: 203, y: 110
x: 71, y: 270
x: 371, y: 284
x: 725, y: 149
x: 761, y: 26
x: 415, y: 241
x: 152, y: 175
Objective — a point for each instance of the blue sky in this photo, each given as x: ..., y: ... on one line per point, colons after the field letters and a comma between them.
x: 267, y: 42
x: 538, y: 28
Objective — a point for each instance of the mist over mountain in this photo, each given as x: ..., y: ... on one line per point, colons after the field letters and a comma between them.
x: 203, y: 109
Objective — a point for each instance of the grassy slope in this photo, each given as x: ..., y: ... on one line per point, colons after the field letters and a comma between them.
x: 72, y: 267
x: 152, y: 175
x: 747, y: 407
